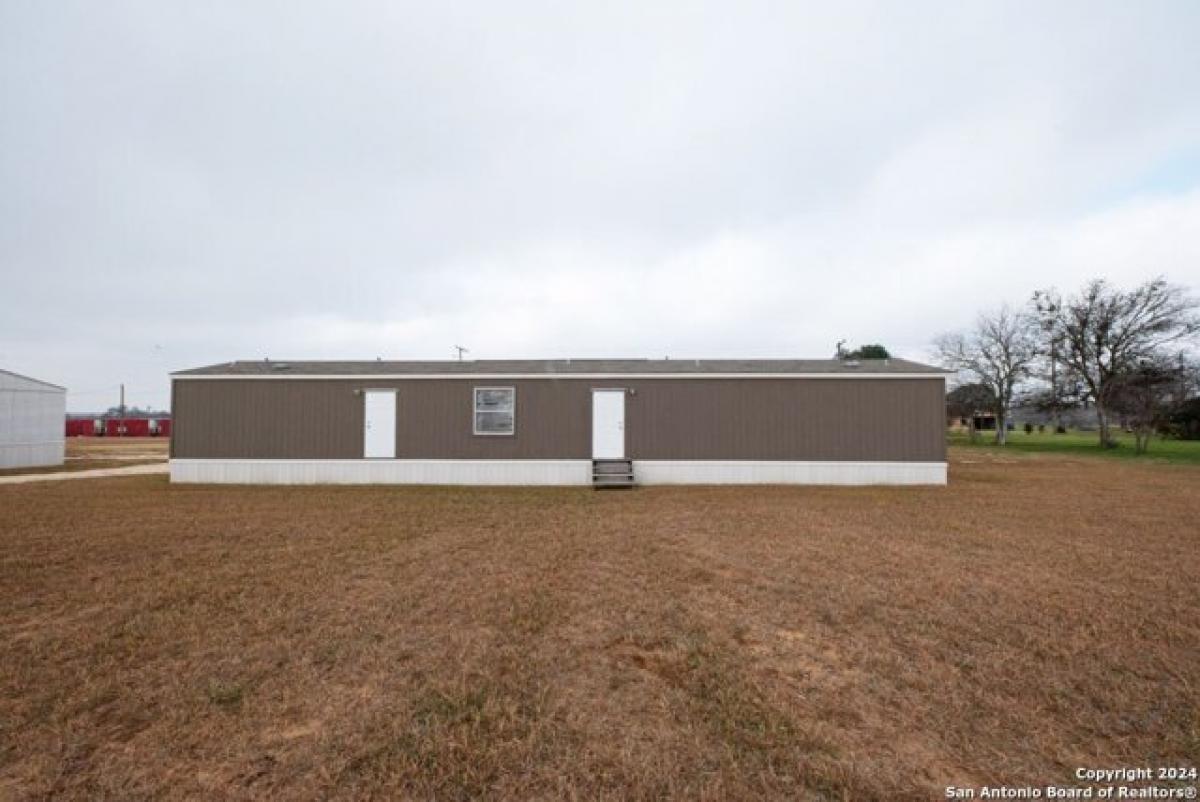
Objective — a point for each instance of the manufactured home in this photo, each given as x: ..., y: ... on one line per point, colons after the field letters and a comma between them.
x: 609, y: 422
x: 31, y: 421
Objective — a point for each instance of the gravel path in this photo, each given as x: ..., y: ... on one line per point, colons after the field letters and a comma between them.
x: 132, y: 470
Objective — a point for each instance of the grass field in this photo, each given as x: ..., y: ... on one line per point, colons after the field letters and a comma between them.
x: 1039, y: 614
x: 1085, y: 444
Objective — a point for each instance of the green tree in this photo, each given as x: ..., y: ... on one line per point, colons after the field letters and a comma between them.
x: 872, y: 351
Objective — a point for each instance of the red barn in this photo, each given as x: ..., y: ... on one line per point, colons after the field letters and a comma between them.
x: 127, y: 427
x: 119, y: 427
x: 83, y: 427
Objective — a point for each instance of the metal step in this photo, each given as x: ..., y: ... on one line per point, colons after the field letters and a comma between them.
x: 608, y: 485
x: 612, y: 463
x: 612, y: 473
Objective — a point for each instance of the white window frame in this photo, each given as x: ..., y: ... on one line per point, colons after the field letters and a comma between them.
x: 475, y: 412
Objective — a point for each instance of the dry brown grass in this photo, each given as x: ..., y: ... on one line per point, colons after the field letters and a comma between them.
x: 117, y: 448
x: 88, y: 452
x: 176, y: 642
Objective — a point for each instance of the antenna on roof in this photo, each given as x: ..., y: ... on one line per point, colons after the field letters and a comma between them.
x: 461, y: 351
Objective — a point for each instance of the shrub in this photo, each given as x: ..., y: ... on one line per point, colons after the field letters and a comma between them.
x: 1185, y: 422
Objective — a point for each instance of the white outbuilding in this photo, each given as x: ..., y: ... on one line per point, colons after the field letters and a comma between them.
x: 32, y: 421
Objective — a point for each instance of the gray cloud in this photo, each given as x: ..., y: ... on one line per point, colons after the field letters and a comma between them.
x: 184, y: 184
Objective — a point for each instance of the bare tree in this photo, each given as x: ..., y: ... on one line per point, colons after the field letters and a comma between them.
x: 1105, y: 332
x: 1062, y: 390
x: 1147, y: 396
x: 999, y: 352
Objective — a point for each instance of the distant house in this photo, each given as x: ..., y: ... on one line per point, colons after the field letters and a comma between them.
x: 982, y: 420
x: 986, y: 422
x: 561, y: 422
x: 31, y: 421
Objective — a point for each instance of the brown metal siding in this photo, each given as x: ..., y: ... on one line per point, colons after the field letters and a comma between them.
x: 666, y: 419
x: 435, y: 421
x: 787, y: 419
x: 267, y: 420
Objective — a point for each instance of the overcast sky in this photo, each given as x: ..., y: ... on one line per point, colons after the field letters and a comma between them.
x: 189, y: 183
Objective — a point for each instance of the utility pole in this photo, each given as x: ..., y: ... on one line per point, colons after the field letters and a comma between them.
x: 1048, y: 307
x: 121, y: 407
x: 461, y: 351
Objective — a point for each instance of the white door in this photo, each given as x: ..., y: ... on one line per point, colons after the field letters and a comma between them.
x: 379, y: 424
x: 608, y: 424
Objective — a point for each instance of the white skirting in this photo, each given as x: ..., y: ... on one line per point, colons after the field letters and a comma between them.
x: 382, y: 471
x: 740, y: 472
x: 549, y: 472
x: 30, y: 455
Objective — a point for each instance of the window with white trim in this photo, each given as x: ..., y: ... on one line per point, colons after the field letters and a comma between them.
x: 495, y: 410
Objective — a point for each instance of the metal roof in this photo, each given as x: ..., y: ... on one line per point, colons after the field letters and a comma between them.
x: 18, y: 378
x: 562, y: 367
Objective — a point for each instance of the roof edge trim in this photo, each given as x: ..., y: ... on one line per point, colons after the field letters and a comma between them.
x: 35, y: 381
x: 616, y: 376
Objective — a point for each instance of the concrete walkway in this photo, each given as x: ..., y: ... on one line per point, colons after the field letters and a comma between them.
x: 132, y: 470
